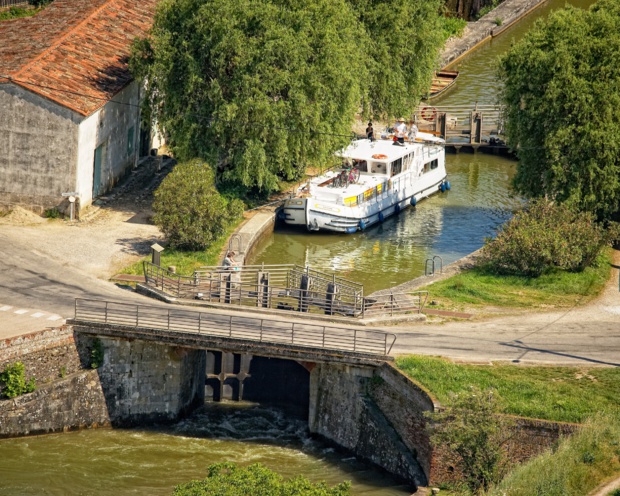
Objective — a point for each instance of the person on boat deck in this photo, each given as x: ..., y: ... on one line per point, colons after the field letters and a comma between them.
x: 400, y: 131
x: 370, y: 132
x: 413, y: 131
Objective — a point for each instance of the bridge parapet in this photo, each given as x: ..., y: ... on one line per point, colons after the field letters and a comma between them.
x: 234, y: 332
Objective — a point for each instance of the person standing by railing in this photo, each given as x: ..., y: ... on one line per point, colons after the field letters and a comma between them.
x: 229, y: 262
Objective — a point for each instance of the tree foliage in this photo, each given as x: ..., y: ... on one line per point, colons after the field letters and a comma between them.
x: 227, y: 479
x: 475, y: 434
x: 264, y: 88
x: 562, y: 95
x: 188, y: 208
x: 404, y: 41
x: 546, y: 235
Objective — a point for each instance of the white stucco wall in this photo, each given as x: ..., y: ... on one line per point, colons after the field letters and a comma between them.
x: 108, y: 126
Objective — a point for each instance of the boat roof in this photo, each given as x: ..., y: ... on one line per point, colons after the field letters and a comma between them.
x: 384, y: 150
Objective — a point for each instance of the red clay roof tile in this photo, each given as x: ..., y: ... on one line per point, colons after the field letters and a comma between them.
x: 74, y: 52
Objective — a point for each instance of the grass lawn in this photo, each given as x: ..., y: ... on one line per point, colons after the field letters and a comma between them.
x: 568, y: 394
x: 187, y: 261
x: 476, y: 288
x: 16, y: 12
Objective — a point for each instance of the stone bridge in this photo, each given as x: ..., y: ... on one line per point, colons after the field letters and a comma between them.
x: 158, y: 363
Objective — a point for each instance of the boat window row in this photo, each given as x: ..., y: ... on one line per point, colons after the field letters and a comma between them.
x: 379, y: 191
x: 433, y: 164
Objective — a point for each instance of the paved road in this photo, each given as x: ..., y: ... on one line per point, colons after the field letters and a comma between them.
x: 36, y: 287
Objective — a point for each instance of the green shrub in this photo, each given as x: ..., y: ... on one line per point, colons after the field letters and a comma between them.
x: 228, y: 478
x: 453, y: 26
x: 52, y: 213
x: 14, y: 379
x: 543, y: 236
x: 579, y: 464
x: 474, y: 432
x: 188, y: 208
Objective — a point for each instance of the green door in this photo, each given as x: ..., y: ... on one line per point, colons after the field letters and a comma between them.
x: 97, y: 171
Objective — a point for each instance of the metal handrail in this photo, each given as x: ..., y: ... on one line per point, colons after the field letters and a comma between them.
x: 395, y: 303
x: 259, y: 330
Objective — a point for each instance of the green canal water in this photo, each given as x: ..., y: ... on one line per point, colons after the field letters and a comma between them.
x: 138, y: 461
x: 151, y: 462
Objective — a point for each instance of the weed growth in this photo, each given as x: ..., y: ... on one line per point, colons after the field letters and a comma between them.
x: 13, y: 377
x: 96, y: 354
x: 579, y: 464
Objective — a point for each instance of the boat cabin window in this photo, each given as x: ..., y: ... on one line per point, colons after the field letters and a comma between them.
x: 397, y: 166
x: 361, y: 165
x: 408, y: 161
x: 377, y: 168
x: 433, y: 164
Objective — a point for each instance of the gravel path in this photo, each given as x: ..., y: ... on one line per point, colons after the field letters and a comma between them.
x: 114, y: 233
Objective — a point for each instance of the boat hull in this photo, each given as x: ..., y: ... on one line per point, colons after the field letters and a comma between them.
x: 317, y: 215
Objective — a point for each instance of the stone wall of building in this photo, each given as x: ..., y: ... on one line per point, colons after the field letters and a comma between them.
x: 38, y: 149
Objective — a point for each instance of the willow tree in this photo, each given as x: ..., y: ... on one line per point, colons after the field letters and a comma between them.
x: 562, y: 96
x: 265, y: 88
x: 405, y: 37
x: 262, y: 88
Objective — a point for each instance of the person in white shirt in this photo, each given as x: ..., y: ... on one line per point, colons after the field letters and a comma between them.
x: 400, y: 131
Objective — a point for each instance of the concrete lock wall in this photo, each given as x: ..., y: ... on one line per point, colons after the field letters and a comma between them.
x: 38, y: 149
x: 342, y: 411
x: 147, y: 382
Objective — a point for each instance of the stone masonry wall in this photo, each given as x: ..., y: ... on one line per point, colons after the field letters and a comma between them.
x: 71, y: 403
x: 146, y: 382
x: 404, y: 403
x: 530, y: 437
x: 342, y: 411
x: 138, y: 382
x: 47, y: 355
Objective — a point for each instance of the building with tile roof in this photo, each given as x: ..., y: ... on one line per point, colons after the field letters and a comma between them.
x: 69, y: 108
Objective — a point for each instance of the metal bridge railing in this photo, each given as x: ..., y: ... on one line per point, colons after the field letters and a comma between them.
x: 394, y: 304
x: 282, y: 287
x: 258, y: 330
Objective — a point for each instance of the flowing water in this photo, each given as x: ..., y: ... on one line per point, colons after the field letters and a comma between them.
x: 138, y: 461
x: 151, y: 462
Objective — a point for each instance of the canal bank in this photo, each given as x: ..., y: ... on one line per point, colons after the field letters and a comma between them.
x: 488, y: 26
x: 378, y: 415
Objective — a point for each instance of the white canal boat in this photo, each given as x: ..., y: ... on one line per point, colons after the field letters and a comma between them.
x: 377, y: 179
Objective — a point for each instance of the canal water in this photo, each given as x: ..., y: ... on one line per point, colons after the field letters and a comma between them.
x: 151, y: 462
x: 449, y: 225
x: 138, y: 461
